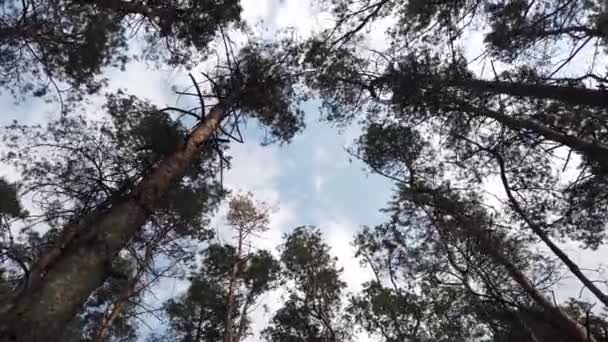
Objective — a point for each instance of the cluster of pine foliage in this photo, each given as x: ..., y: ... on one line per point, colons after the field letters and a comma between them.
x: 496, y: 160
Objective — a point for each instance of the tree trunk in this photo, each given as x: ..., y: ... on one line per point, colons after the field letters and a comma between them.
x: 41, y: 265
x: 529, y: 331
x: 42, y: 312
x: 103, y: 330
x: 118, y: 307
x: 539, y: 231
x: 553, y: 315
x: 565, y: 94
x: 242, y: 321
x: 228, y: 325
x: 592, y: 150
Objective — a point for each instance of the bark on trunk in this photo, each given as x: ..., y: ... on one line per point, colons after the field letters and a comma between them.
x: 68, y: 233
x: 118, y: 307
x: 109, y: 317
x: 592, y: 150
x: 529, y: 331
x: 570, y: 327
x: 553, y: 315
x: 539, y: 231
x: 42, y: 313
x: 566, y: 94
x: 228, y: 325
x: 242, y: 321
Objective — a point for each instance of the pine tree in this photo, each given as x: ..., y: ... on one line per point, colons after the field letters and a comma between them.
x: 46, y: 44
x: 455, y: 223
x: 232, y: 279
x: 313, y: 310
x: 520, y: 112
x: 259, y: 84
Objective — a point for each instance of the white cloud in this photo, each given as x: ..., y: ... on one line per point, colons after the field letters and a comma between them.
x: 256, y: 10
x: 254, y: 168
x: 302, y: 15
x: 153, y: 85
x: 318, y: 181
x: 320, y: 154
x: 339, y: 235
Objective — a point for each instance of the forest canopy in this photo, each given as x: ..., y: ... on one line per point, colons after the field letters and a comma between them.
x: 481, y: 124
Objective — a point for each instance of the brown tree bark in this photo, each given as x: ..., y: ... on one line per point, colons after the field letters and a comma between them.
x: 539, y: 231
x: 565, y: 94
x: 103, y: 330
x: 118, y: 307
x: 240, y: 334
x: 40, y: 266
x: 228, y: 325
x: 552, y: 314
x: 558, y: 318
x: 592, y: 150
x: 42, y: 312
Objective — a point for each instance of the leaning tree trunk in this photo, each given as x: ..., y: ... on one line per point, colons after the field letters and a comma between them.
x: 111, y: 314
x: 240, y: 332
x: 43, y: 311
x: 540, y: 232
x: 559, y: 319
x: 598, y: 98
x: 118, y: 307
x: 566, y: 94
x: 552, y: 314
x: 425, y: 197
x: 592, y: 150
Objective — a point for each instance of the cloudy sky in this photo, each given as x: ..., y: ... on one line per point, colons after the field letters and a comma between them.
x: 311, y: 181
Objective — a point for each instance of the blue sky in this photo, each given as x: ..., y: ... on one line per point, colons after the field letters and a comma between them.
x: 311, y: 180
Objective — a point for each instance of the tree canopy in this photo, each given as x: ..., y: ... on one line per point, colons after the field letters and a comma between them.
x: 489, y: 118
x: 45, y: 44
x: 312, y: 310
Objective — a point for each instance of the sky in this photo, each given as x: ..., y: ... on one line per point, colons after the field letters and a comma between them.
x: 311, y: 181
